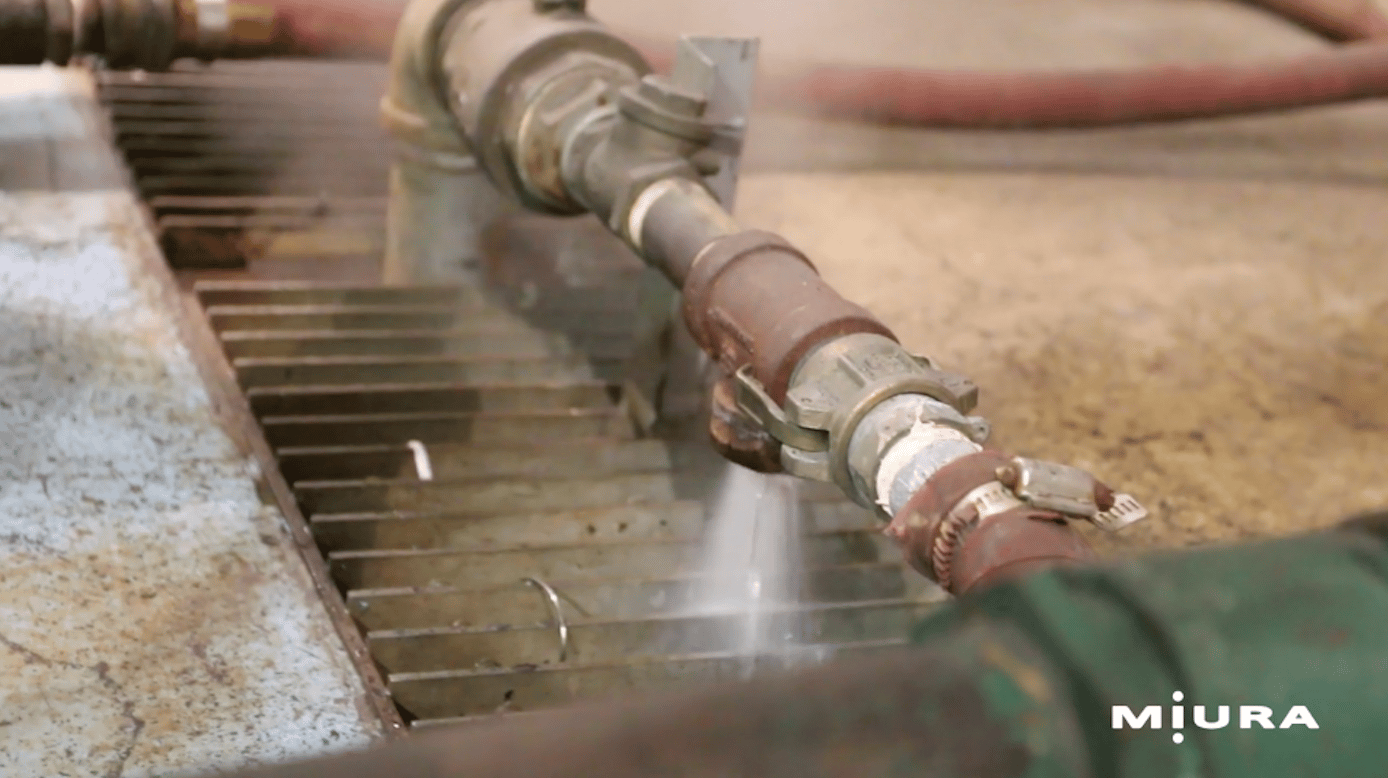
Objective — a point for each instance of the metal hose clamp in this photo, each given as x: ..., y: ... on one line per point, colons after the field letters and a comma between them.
x: 556, y: 610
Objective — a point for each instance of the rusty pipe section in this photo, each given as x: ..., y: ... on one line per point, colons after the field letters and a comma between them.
x: 564, y: 117
x: 895, y: 435
x: 151, y: 34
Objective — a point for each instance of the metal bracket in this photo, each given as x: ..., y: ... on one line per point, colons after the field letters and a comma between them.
x: 724, y: 71
x: 1051, y: 487
x: 752, y: 398
x: 1069, y: 491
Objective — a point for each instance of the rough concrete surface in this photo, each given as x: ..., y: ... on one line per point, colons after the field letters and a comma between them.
x: 1198, y: 312
x: 153, y: 617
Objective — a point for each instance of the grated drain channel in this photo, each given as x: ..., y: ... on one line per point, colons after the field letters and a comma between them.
x: 503, y: 538
x: 536, y: 476
x: 240, y: 161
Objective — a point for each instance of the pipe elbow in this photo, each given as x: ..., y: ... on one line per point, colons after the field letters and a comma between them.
x: 415, y: 107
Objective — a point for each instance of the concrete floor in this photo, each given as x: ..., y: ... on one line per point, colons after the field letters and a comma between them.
x: 1199, y: 313
x: 155, y: 616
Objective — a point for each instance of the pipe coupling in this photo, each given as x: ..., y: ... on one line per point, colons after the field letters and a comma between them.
x: 853, y: 402
x: 415, y: 109
x: 144, y: 34
x: 965, y: 527
x: 987, y: 516
x: 752, y: 299
x: 517, y: 77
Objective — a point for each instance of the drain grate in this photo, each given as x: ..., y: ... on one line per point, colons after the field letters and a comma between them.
x: 243, y: 160
x: 502, y: 536
x: 537, y: 478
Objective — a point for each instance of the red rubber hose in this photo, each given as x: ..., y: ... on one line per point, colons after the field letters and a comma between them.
x: 1342, y: 21
x: 1039, y: 100
x: 981, y: 100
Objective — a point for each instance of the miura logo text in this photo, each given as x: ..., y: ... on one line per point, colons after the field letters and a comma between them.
x: 1151, y: 716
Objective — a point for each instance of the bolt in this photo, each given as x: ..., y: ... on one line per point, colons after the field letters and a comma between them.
x: 1009, y: 476
x: 669, y: 97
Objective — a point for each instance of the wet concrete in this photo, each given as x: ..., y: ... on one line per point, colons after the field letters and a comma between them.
x: 154, y: 618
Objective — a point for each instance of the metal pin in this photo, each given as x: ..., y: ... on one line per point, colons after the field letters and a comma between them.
x: 557, y: 610
x: 421, y: 460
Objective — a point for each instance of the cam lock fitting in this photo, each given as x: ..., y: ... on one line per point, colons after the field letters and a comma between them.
x: 832, y: 391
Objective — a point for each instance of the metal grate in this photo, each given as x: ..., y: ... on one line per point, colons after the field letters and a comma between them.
x: 242, y: 160
x: 503, y: 537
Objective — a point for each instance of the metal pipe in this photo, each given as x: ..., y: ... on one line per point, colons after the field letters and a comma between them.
x: 673, y: 220
x: 151, y: 34
x: 752, y: 301
x: 565, y: 119
x: 32, y: 31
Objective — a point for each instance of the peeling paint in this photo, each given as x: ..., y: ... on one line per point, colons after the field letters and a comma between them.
x: 153, y: 616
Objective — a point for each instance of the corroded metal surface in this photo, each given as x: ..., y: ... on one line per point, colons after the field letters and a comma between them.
x: 947, y: 538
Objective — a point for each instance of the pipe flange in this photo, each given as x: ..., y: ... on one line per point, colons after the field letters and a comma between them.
x: 491, y: 56
x: 562, y: 101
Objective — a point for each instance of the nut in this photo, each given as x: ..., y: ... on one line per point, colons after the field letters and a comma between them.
x: 1009, y: 476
